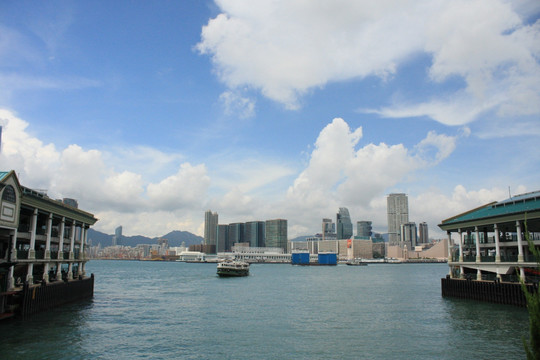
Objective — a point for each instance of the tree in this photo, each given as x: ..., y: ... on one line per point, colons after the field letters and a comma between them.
x: 532, y: 347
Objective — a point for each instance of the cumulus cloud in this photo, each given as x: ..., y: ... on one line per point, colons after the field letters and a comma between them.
x: 285, y: 49
x: 342, y: 172
x: 88, y: 176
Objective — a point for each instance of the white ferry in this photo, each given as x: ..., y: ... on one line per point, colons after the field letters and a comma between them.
x: 233, y: 268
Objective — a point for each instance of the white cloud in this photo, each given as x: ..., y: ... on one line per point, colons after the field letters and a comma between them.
x: 235, y: 104
x: 340, y: 173
x: 88, y: 176
x: 287, y: 48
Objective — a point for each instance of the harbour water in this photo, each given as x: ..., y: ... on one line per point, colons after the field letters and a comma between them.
x: 168, y: 310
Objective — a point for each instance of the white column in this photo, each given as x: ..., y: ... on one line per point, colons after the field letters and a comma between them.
x: 61, y: 248
x: 520, y: 241
x: 13, y: 257
x: 461, y: 274
x: 450, y: 251
x: 477, y: 243
x: 71, y: 248
x: 497, y: 244
x: 460, y: 245
x: 32, y: 250
x: 81, y: 250
x: 47, y: 255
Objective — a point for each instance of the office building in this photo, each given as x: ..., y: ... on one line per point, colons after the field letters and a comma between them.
x: 408, y: 235
x: 328, y: 229
x: 235, y: 235
x: 344, y: 228
x: 254, y: 233
x: 276, y: 234
x: 423, y: 237
x: 210, y: 227
x: 117, y: 237
x: 363, y: 228
x: 222, y: 238
x: 398, y: 213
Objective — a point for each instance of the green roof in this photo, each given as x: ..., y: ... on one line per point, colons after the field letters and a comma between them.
x: 3, y: 174
x: 519, y: 204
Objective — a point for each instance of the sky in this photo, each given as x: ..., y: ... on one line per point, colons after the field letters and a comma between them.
x: 150, y: 113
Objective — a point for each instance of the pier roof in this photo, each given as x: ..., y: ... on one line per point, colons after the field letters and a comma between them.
x: 523, y: 207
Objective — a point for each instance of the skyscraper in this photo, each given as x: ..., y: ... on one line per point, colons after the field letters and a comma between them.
x: 254, y: 233
x: 363, y: 228
x: 328, y: 229
x: 398, y: 213
x: 210, y: 227
x: 222, y: 243
x: 423, y: 237
x: 408, y: 235
x: 276, y: 233
x: 344, y: 226
x: 117, y: 238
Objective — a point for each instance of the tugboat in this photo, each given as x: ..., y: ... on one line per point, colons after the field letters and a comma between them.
x: 232, y: 268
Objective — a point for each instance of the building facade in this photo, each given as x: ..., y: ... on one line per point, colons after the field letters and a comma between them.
x: 255, y: 233
x: 276, y: 234
x: 398, y: 213
x: 210, y: 227
x: 344, y: 228
x: 423, y: 235
x: 363, y: 228
x: 408, y: 235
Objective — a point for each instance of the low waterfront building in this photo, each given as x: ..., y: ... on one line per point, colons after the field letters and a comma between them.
x: 42, y: 249
x: 491, y: 246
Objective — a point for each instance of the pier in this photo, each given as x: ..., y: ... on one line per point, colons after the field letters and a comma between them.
x: 492, y: 253
x: 42, y: 250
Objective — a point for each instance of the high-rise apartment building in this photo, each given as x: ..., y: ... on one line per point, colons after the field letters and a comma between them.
x: 398, y: 213
x: 344, y: 226
x: 276, y: 233
x: 210, y: 227
x: 423, y: 237
x: 363, y: 228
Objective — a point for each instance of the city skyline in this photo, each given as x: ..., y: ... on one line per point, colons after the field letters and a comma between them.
x: 150, y: 113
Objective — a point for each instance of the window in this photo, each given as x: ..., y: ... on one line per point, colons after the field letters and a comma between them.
x: 9, y: 194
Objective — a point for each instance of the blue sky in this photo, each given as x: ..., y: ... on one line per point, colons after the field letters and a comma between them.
x: 150, y: 113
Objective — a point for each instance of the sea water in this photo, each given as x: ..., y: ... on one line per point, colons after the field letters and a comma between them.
x: 173, y: 310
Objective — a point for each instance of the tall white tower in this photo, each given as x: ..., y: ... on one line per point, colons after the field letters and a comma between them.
x: 398, y: 213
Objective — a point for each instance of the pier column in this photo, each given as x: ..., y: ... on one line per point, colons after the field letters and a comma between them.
x: 477, y: 243
x: 47, y: 255
x: 60, y: 248
x: 71, y: 253
x: 461, y: 274
x: 478, y: 274
x: 497, y: 244
x: 450, y: 259
x: 32, y: 250
x: 460, y: 245
x: 520, y: 241
x: 13, y: 257
x: 81, y: 250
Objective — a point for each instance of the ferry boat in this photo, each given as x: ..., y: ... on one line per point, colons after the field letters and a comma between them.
x: 232, y: 268
x: 356, y: 262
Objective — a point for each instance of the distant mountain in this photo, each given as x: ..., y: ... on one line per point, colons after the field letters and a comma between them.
x: 175, y: 238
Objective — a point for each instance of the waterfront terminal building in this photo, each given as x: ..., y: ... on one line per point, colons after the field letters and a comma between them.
x: 492, y: 252
x: 42, y: 250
